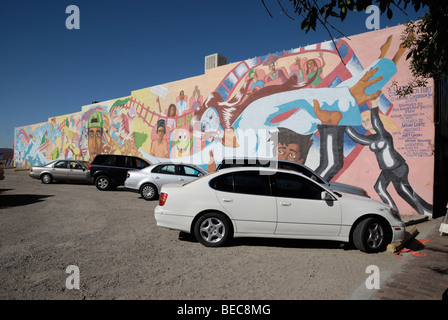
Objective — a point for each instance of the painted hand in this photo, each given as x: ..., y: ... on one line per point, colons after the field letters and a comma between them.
x: 325, y: 116
x: 358, y: 88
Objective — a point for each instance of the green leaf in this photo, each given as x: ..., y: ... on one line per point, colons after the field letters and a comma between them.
x: 140, y: 139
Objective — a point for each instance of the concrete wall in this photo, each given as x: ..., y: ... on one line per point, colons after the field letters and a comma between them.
x: 313, y: 108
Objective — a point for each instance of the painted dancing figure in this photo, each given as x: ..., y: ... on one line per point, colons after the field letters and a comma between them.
x: 394, y: 168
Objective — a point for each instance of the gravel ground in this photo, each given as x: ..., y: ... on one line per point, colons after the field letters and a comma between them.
x: 113, y: 239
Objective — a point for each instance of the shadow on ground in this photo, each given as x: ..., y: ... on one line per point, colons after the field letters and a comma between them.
x: 274, y: 242
x: 16, y: 200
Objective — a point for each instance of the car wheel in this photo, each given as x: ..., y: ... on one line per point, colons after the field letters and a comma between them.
x: 371, y: 235
x: 103, y: 183
x: 148, y: 191
x: 213, y: 229
x: 47, y: 178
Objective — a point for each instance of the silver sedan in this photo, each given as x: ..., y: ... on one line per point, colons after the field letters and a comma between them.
x: 149, y: 181
x: 62, y: 170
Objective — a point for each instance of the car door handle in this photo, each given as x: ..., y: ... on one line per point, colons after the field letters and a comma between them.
x: 227, y: 200
x: 157, y: 177
x: 181, y: 179
x: 285, y: 204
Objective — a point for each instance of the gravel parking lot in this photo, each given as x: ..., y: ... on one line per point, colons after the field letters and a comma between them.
x: 113, y: 239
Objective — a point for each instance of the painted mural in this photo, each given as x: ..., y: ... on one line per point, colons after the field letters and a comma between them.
x: 331, y: 106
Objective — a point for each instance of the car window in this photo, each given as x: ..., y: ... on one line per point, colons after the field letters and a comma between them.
x: 60, y: 164
x: 223, y: 183
x: 101, y: 159
x: 251, y: 182
x: 75, y: 165
x: 108, y: 160
x: 130, y: 162
x: 189, y: 171
x: 120, y: 161
x: 167, y: 169
x: 140, y: 163
x: 293, y: 186
x: 85, y: 163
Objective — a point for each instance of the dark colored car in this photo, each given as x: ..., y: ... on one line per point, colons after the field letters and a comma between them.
x: 110, y: 170
x: 289, y: 165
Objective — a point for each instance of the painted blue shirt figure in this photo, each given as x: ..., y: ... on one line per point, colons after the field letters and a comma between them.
x: 181, y: 104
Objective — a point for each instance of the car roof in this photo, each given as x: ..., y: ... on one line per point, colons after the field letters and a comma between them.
x: 177, y: 163
x: 268, y: 169
x: 227, y: 159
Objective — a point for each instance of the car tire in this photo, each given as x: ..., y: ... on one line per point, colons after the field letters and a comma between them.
x: 46, y: 178
x: 148, y: 191
x: 213, y: 229
x: 103, y: 183
x: 372, y: 235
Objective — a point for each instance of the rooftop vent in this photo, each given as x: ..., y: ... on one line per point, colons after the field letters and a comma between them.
x: 214, y: 60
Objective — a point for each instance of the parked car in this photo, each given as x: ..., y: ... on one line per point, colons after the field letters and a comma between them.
x: 109, y: 170
x: 62, y: 170
x: 150, y: 180
x: 290, y: 165
x: 276, y: 203
x: 2, y: 172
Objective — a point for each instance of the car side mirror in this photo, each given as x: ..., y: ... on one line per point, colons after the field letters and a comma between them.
x: 326, y: 196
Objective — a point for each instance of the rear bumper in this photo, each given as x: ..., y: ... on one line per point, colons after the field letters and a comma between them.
x: 34, y: 175
x: 133, y: 187
x: 175, y: 222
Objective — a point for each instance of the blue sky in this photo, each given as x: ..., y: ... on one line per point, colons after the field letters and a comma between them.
x: 47, y: 70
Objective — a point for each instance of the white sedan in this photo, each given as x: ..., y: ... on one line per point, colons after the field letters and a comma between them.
x: 276, y: 203
x: 148, y: 181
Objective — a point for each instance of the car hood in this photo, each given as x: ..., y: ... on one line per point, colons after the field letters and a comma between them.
x: 342, y: 187
x: 353, y: 201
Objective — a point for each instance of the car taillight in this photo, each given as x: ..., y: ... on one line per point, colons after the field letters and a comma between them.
x: 90, y: 166
x: 128, y: 175
x: 162, y: 198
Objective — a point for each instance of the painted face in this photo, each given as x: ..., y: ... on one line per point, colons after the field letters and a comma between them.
x: 210, y: 121
x: 311, y: 64
x: 95, y: 141
x: 289, y: 152
x: 160, y: 132
x: 367, y: 122
x: 182, y: 137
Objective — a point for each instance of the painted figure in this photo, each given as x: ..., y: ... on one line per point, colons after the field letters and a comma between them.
x: 181, y: 143
x: 364, y: 87
x: 159, y: 146
x: 292, y: 146
x: 95, y: 134
x: 312, y: 69
x: 181, y: 104
x: 394, y: 168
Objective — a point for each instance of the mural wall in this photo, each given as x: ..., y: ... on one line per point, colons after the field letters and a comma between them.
x: 341, y: 118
